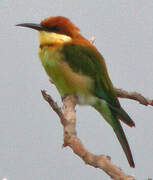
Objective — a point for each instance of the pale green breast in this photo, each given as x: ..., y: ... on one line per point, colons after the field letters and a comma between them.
x: 65, y: 79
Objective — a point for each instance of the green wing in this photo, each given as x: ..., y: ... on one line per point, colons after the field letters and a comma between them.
x: 89, y: 62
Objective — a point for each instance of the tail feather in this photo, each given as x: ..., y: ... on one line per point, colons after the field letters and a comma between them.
x: 111, y: 116
x: 124, y: 143
x: 122, y: 115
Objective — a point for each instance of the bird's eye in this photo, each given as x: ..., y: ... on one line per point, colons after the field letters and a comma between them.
x: 56, y: 28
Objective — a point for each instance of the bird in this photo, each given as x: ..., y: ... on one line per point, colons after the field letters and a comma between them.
x: 77, y: 68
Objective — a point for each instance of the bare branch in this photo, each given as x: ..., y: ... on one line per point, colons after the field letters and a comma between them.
x: 68, y: 120
x: 134, y: 96
x: 54, y: 106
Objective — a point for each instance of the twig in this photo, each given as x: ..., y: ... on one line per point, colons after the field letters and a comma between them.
x: 134, y: 96
x: 54, y: 106
x: 68, y: 120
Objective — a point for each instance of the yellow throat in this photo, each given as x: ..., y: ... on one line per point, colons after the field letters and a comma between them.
x: 52, y: 38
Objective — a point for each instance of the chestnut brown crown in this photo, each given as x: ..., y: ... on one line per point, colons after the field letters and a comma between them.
x: 62, y: 25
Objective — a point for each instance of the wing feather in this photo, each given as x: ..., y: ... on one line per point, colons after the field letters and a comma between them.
x: 89, y: 62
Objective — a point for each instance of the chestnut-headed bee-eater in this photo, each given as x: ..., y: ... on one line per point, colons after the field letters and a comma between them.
x: 77, y: 68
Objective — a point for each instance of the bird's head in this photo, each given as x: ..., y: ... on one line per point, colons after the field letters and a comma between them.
x: 55, y: 29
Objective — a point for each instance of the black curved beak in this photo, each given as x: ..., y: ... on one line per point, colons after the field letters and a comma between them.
x: 34, y: 26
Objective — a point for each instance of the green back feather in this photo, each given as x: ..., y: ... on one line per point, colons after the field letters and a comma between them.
x: 89, y: 62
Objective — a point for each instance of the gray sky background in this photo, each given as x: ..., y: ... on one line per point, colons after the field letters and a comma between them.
x: 31, y: 135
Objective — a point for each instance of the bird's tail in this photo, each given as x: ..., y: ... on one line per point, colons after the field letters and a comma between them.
x: 113, y: 119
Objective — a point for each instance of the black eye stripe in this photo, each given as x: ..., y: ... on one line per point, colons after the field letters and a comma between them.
x: 52, y: 29
x: 55, y: 29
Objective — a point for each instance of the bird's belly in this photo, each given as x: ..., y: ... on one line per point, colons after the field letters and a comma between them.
x: 66, y: 80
